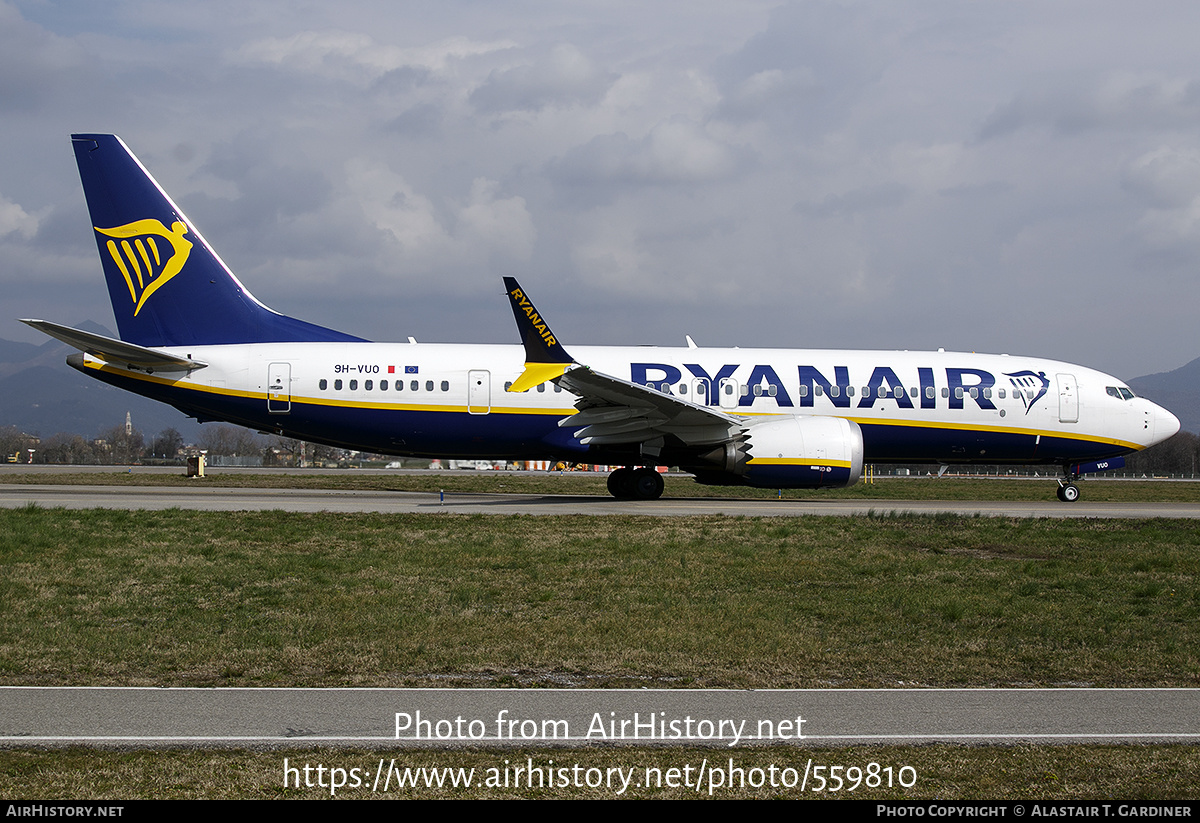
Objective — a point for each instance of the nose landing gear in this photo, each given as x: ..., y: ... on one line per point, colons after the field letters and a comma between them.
x: 1068, y: 492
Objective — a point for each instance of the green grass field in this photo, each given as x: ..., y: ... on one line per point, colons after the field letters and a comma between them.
x: 1059, y: 773
x: 281, y: 599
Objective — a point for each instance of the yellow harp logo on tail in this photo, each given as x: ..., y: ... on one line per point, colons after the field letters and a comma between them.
x: 148, y: 255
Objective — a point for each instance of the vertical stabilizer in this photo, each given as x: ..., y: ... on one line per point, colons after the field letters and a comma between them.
x: 167, y: 286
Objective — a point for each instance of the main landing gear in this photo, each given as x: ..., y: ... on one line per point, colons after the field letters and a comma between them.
x: 635, y: 484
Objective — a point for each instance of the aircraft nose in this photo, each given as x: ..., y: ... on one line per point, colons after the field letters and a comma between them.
x: 1165, y: 424
x: 1161, y: 424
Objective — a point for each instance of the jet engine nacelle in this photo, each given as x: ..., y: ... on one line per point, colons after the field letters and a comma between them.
x: 802, y: 453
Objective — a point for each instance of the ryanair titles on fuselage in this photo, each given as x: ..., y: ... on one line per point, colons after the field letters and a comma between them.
x: 957, y: 387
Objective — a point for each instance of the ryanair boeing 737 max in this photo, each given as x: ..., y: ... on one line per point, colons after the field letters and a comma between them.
x: 194, y: 337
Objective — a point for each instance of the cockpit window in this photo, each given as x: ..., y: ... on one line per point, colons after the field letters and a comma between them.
x: 1119, y: 392
x: 1127, y: 393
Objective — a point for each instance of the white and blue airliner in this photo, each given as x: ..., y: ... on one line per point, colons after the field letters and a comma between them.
x: 193, y: 336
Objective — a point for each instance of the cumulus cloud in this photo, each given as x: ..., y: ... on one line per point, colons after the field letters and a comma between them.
x: 675, y: 151
x: 1165, y: 178
x: 15, y: 220
x: 881, y: 161
x: 484, y: 227
x: 564, y: 77
x: 33, y: 61
x: 357, y: 55
x: 1120, y: 100
x: 1167, y: 181
x: 503, y: 226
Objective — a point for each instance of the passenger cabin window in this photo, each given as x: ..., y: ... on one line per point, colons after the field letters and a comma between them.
x: 445, y: 385
x: 337, y: 385
x: 428, y: 385
x: 369, y: 384
x: 414, y: 385
x: 930, y: 393
x: 324, y: 384
x: 353, y: 385
x: 383, y: 385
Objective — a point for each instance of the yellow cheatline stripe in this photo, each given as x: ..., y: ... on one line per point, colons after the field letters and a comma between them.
x: 352, y: 404
x: 980, y: 427
x: 788, y: 461
x: 313, y: 401
x: 923, y: 424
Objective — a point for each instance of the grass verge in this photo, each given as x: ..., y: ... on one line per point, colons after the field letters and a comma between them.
x: 286, y: 599
x: 1059, y: 773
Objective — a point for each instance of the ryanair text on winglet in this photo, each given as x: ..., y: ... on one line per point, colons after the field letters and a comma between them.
x: 523, y: 303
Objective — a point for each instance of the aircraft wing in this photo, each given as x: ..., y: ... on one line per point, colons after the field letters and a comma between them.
x: 116, y: 351
x: 615, y: 411
x: 610, y: 410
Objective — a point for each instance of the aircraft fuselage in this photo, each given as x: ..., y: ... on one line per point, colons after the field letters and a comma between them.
x: 445, y: 400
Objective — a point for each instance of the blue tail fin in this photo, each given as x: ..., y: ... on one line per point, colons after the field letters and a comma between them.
x: 167, y: 286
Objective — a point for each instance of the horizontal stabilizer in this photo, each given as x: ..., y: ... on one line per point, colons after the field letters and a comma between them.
x: 106, y: 348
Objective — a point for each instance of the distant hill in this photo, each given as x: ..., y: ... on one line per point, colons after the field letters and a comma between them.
x: 1177, y: 391
x: 41, y: 395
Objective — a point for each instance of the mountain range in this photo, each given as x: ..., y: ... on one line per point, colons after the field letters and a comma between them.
x: 41, y: 395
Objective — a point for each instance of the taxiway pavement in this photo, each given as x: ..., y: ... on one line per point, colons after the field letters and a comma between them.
x: 447, y: 718
x: 317, y: 500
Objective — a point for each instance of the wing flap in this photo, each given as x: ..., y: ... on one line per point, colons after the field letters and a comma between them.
x: 612, y: 410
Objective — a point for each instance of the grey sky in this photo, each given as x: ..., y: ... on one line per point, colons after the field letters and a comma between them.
x: 1020, y: 177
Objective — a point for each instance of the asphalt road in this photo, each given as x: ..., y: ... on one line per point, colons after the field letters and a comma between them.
x: 316, y: 500
x: 448, y: 718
